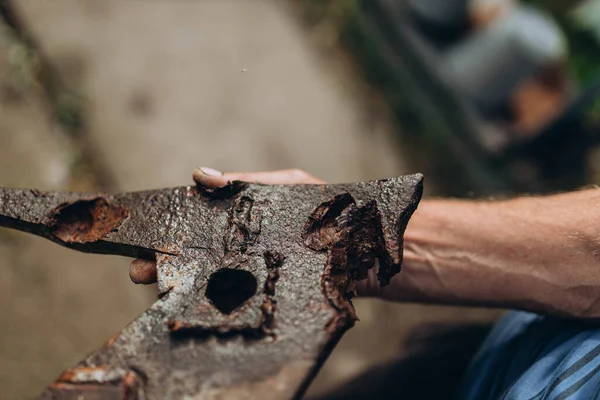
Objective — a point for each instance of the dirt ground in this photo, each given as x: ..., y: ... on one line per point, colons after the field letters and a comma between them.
x: 162, y: 87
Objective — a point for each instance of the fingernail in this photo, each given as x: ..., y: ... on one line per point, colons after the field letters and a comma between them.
x: 201, y: 174
x: 210, y: 171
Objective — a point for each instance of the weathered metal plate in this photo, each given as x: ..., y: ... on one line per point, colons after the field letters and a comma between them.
x: 254, y: 280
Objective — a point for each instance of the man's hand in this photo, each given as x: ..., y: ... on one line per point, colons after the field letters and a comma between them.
x: 144, y: 271
x: 537, y: 254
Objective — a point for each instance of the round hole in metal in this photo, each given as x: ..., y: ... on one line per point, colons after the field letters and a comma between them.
x: 229, y: 288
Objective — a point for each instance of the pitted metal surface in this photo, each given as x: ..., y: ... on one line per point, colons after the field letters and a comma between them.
x: 255, y: 281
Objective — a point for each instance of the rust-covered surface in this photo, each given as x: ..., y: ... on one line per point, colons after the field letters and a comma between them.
x: 254, y: 280
x: 86, y: 221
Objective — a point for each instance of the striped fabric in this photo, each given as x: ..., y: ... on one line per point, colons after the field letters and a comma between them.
x: 530, y: 357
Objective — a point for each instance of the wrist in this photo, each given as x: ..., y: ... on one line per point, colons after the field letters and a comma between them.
x: 432, y: 242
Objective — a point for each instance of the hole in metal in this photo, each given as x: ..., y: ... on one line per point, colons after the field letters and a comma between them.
x: 229, y: 289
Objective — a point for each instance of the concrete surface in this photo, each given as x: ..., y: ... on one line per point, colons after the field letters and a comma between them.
x: 169, y: 85
x: 166, y: 90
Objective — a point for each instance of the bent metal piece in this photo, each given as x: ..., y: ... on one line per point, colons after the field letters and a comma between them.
x: 254, y: 280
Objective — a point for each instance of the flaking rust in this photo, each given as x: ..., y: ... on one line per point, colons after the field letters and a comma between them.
x: 255, y: 281
x: 85, y: 221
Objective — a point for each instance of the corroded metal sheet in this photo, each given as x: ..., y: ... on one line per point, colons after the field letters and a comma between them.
x: 255, y: 281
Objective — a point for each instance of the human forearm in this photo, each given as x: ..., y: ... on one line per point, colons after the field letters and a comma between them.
x: 539, y: 254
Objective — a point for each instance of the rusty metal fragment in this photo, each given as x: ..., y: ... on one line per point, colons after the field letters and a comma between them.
x: 255, y: 281
x: 92, y: 383
x: 85, y: 221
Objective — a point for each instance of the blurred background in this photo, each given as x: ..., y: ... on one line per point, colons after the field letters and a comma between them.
x: 488, y: 98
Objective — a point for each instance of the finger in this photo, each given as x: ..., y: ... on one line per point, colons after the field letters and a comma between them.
x: 281, y: 177
x: 143, y: 271
x: 211, y: 178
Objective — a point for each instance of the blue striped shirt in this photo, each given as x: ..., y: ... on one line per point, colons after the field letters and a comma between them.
x: 530, y: 357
